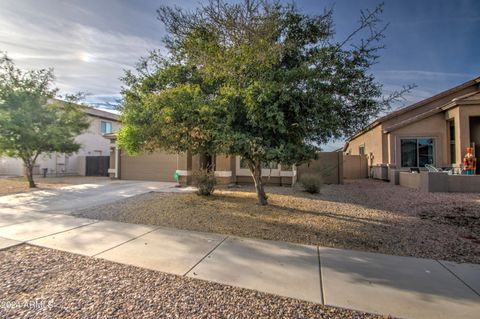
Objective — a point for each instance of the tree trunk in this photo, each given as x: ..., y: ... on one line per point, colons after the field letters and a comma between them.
x: 256, y: 170
x: 31, y: 182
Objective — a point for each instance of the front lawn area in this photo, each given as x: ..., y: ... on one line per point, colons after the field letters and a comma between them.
x: 15, y: 185
x: 20, y: 185
x: 363, y: 215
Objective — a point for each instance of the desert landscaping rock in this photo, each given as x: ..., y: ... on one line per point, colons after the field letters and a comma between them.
x: 363, y: 215
x: 65, y: 285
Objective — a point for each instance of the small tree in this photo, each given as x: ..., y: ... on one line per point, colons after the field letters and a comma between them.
x: 258, y: 80
x: 31, y: 123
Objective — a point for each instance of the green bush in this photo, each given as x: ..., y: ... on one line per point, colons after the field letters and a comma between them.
x: 311, y: 183
x: 205, y: 182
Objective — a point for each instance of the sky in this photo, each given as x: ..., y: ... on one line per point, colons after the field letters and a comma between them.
x: 433, y: 44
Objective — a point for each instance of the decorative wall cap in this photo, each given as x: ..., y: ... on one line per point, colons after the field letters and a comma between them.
x: 288, y: 173
x: 223, y: 173
x: 184, y: 173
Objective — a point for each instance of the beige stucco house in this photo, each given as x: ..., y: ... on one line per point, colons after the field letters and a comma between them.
x: 92, y: 141
x: 161, y: 166
x: 434, y: 131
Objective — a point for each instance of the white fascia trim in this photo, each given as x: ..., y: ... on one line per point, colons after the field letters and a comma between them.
x: 288, y: 173
x: 223, y: 173
x: 117, y: 161
x: 184, y: 173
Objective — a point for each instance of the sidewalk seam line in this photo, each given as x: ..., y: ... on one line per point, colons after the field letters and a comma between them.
x: 63, y: 231
x: 208, y: 254
x: 129, y: 240
x: 463, y: 282
x: 320, y: 277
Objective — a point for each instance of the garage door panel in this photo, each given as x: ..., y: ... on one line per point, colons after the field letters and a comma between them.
x: 156, y: 166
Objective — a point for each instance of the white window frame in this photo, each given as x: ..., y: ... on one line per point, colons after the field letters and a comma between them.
x: 361, y: 146
x: 106, y: 123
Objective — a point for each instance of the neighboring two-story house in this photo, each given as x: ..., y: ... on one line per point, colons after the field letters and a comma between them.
x: 57, y: 164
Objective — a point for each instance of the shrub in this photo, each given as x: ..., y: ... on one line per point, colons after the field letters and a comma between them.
x: 205, y: 182
x: 311, y: 183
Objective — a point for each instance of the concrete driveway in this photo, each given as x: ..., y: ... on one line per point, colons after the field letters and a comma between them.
x: 71, y: 198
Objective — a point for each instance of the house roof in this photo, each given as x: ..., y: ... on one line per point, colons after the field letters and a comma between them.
x: 470, y: 98
x: 417, y: 105
x: 102, y: 114
x: 95, y: 112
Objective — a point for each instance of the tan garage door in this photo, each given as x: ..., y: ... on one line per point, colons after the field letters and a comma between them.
x: 148, y: 167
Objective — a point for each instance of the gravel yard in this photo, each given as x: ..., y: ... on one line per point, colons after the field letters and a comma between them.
x: 42, y: 283
x: 362, y: 215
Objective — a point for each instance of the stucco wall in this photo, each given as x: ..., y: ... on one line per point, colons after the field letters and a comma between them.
x: 355, y: 167
x: 328, y: 164
x: 441, y: 182
x: 412, y: 180
x: 92, y: 141
x: 433, y: 127
x: 11, y: 166
x: 375, y: 142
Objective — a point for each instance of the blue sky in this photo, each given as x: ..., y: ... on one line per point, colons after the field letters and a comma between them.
x: 434, y: 44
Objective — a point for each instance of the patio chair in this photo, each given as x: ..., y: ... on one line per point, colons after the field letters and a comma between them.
x: 434, y: 169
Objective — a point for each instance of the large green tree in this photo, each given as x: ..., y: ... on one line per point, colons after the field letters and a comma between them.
x: 31, y: 122
x: 258, y: 79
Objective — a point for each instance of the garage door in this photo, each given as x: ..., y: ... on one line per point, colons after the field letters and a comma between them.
x: 148, y: 167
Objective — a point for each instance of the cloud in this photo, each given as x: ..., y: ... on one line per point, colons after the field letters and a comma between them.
x: 85, y: 58
x: 408, y: 75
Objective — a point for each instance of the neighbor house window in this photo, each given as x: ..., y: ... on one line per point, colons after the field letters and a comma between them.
x: 106, y: 127
x: 416, y: 152
x: 361, y: 150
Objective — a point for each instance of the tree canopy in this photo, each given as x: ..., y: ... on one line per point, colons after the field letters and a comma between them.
x: 31, y: 122
x: 258, y: 79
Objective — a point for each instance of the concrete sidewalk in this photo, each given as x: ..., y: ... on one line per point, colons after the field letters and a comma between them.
x: 400, y: 286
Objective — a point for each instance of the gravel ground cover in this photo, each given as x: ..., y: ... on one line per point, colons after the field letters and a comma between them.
x: 43, y: 283
x: 362, y: 215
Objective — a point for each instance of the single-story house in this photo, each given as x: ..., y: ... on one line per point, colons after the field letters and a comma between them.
x: 85, y: 162
x: 434, y: 131
x: 162, y: 166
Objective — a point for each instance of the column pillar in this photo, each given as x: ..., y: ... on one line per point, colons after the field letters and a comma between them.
x: 224, y: 167
x: 288, y: 175
x: 184, y: 169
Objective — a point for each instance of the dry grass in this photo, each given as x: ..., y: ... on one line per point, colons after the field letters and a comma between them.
x: 20, y: 185
x: 15, y: 185
x: 364, y: 215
